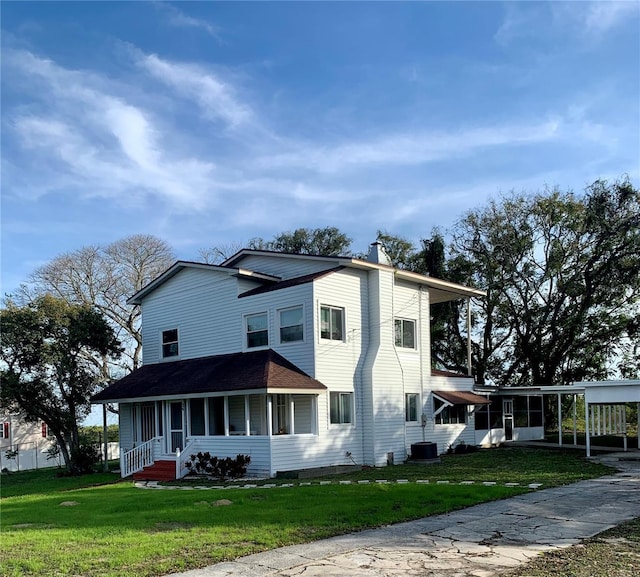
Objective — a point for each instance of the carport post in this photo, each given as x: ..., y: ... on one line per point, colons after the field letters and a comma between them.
x: 575, y: 419
x: 586, y: 426
x: 559, y: 419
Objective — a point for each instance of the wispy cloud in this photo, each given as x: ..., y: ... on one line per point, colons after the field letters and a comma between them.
x: 573, y: 20
x: 215, y: 97
x: 410, y: 148
x: 97, y: 144
x: 179, y: 19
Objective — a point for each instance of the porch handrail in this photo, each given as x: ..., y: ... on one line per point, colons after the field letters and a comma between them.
x: 182, y: 456
x: 137, y: 458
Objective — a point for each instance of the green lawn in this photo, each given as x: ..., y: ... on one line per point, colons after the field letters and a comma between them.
x: 117, y: 529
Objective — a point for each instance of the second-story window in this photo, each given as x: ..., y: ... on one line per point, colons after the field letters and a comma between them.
x: 170, y: 343
x: 291, y: 325
x: 257, y: 330
x: 331, y: 323
x: 405, y: 333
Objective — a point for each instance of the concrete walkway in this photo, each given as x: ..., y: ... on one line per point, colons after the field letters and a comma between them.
x: 481, y: 541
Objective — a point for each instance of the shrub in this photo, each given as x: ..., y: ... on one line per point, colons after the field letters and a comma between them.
x: 206, y: 464
x: 84, y: 459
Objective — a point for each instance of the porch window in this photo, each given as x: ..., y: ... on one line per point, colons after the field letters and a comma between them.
x: 291, y: 325
x: 340, y: 407
x: 405, y: 330
x: 258, y: 415
x: 257, y: 330
x: 215, y: 415
x: 488, y: 416
x: 411, y: 407
x: 303, y: 414
x: 331, y: 323
x: 281, y: 410
x: 521, y: 412
x: 452, y: 415
x: 170, y: 343
x: 196, y: 417
x: 535, y: 412
x: 237, y: 418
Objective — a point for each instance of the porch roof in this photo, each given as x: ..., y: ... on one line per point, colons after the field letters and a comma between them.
x: 461, y: 398
x: 262, y: 371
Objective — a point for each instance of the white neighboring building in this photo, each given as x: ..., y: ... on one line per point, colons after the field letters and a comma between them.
x: 24, y: 445
x: 298, y: 361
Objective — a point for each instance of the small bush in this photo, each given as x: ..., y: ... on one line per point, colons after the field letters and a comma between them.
x: 225, y: 468
x: 84, y: 459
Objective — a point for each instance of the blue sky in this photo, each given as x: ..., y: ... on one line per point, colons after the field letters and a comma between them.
x: 211, y: 123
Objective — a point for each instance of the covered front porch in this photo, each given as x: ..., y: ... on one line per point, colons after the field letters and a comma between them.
x: 225, y: 425
x: 257, y: 404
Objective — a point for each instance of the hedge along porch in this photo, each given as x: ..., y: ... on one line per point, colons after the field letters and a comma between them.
x: 255, y: 404
x: 516, y: 413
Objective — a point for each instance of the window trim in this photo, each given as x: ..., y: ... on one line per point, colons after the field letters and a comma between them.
x: 342, y: 395
x: 281, y: 326
x: 408, y: 407
x: 342, y: 328
x: 169, y: 343
x: 247, y: 316
x: 402, y: 346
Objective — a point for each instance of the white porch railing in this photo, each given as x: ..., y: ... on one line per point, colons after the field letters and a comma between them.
x: 138, y: 458
x: 183, y: 456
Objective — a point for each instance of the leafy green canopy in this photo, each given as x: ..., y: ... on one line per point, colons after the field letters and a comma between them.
x: 46, y: 365
x: 562, y: 275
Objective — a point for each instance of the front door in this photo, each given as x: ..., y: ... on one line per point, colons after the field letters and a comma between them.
x: 176, y: 426
x: 507, y: 411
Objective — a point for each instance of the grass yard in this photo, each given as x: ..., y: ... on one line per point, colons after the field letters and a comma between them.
x: 117, y: 529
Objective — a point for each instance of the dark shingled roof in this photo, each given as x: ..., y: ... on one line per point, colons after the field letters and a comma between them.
x: 264, y: 369
x: 291, y: 282
x: 462, y: 398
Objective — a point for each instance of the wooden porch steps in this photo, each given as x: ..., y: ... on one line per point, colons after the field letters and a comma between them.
x: 159, y: 471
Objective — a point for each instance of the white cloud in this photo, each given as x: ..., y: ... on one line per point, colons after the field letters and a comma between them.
x: 179, y: 19
x: 572, y: 20
x: 404, y: 149
x: 96, y: 144
x: 215, y: 97
x: 601, y: 17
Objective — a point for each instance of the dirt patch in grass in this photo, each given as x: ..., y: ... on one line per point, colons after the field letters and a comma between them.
x: 164, y: 527
x: 613, y: 553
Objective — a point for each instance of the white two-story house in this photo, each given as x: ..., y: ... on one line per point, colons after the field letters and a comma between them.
x: 297, y: 361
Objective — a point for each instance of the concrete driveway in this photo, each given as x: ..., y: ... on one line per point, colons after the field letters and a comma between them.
x: 480, y: 541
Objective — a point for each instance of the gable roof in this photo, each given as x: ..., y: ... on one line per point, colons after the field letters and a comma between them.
x: 180, y: 265
x: 263, y: 371
x: 299, y: 280
x: 439, y: 290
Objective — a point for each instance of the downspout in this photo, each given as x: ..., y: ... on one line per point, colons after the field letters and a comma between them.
x: 423, y: 420
x: 469, y: 371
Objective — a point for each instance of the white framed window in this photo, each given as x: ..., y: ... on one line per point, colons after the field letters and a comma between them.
x: 331, y: 323
x: 291, y: 324
x: 257, y: 330
x: 450, y: 415
x: 405, y: 333
x: 341, y: 408
x: 411, y: 407
x: 5, y: 430
x: 170, y: 343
